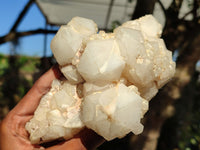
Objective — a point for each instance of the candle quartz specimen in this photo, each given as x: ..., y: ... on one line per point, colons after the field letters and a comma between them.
x: 110, y: 79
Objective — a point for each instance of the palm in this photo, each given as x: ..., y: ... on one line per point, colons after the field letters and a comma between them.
x: 14, y: 133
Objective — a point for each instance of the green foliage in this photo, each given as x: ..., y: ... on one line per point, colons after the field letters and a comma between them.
x: 15, y: 78
x: 28, y: 65
x: 3, y: 64
x: 22, y: 60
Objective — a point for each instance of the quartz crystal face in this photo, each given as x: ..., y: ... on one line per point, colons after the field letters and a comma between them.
x: 113, y: 115
x: 110, y: 79
x: 101, y: 61
x: 58, y: 114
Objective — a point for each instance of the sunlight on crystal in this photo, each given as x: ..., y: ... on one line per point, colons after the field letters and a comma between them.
x: 110, y: 79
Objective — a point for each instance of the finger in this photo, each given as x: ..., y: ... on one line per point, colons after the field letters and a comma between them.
x: 31, y: 100
x: 85, y: 140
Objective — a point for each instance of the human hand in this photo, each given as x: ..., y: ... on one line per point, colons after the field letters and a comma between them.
x: 13, y: 135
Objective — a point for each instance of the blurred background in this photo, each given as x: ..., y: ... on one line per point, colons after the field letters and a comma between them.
x: 26, y: 30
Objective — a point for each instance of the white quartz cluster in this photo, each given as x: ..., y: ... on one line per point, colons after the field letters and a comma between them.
x: 58, y: 114
x: 110, y: 79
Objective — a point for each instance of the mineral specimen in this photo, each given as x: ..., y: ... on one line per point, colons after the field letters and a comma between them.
x: 110, y: 78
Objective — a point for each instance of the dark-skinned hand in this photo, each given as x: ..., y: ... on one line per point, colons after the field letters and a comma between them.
x: 13, y: 135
